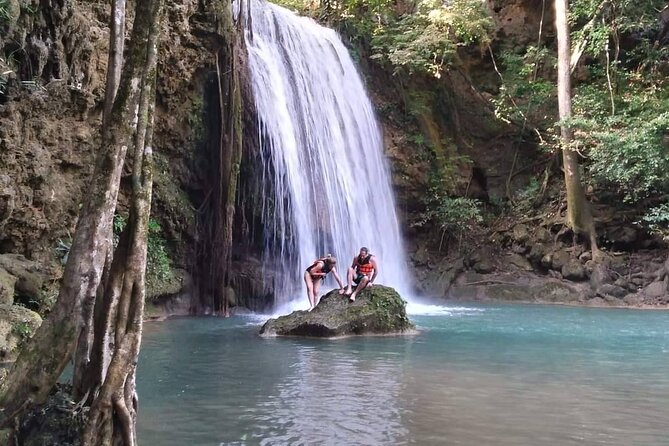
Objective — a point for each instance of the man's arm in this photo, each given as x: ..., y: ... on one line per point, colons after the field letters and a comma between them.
x: 376, y: 269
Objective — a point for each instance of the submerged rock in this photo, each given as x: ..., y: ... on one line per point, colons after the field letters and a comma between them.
x: 377, y: 310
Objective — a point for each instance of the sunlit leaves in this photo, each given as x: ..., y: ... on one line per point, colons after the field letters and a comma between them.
x: 426, y: 39
x: 628, y: 151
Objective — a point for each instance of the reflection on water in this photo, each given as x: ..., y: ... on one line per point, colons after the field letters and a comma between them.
x: 327, y: 398
x: 508, y: 375
x: 489, y: 409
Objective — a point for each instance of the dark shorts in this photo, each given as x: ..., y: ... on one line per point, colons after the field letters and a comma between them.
x: 359, y: 277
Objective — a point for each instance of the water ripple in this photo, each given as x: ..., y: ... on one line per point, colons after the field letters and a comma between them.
x: 507, y: 376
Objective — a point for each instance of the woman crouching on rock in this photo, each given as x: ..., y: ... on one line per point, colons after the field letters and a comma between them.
x: 315, y: 274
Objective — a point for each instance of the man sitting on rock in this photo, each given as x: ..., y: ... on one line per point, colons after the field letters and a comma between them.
x: 362, y: 271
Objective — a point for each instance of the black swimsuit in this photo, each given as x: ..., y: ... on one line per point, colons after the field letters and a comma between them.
x: 326, y: 269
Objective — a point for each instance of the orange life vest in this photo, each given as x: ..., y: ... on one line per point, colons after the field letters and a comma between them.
x: 364, y: 266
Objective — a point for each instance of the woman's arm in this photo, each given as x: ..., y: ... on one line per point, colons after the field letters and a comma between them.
x: 337, y: 278
x: 318, y: 269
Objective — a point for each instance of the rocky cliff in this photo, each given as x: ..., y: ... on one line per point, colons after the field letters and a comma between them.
x: 437, y: 132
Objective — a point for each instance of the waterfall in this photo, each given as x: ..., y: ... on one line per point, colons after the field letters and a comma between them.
x: 326, y: 183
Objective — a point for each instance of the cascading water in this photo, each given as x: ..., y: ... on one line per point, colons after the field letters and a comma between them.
x: 326, y: 183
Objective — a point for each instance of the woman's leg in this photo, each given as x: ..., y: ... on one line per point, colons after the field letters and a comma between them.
x: 310, y: 289
x: 317, y: 289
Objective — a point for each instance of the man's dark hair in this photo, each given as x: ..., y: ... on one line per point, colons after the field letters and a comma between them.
x: 364, y: 248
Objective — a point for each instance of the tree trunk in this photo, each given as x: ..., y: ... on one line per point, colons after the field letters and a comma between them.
x: 82, y: 354
x: 42, y: 361
x: 113, y: 414
x: 40, y: 364
x: 579, y: 216
x: 115, y: 59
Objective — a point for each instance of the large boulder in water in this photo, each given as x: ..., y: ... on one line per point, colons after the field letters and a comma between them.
x: 377, y: 310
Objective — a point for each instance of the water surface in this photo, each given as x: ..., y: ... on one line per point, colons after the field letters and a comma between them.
x: 482, y: 375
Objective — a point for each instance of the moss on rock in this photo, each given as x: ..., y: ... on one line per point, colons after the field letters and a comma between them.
x: 17, y: 324
x: 377, y: 310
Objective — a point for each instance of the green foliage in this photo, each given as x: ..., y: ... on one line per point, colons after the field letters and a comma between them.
x: 629, y: 151
x: 426, y: 39
x: 158, y: 262
x: 657, y: 220
x: 412, y: 37
x: 620, y: 109
x: 7, y: 67
x: 5, y: 15
x: 29, y: 8
x: 49, y: 299
x: 525, y: 198
x: 445, y: 173
x: 610, y: 18
x: 453, y: 214
x: 63, y: 249
x: 419, y: 103
x: 360, y: 19
x: 417, y: 139
x: 118, y: 225
x: 195, y: 118
x: 386, y: 109
x: 634, y: 159
x: 23, y: 330
x: 301, y: 7
x: 526, y: 96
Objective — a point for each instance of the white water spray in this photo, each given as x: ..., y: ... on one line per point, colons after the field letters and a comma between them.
x: 326, y: 182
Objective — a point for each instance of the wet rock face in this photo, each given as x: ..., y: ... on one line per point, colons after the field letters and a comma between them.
x: 28, y: 278
x: 519, y: 20
x: 533, y: 264
x: 7, y: 283
x: 377, y: 310
x: 43, y: 170
x: 49, y: 127
x: 17, y: 324
x: 516, y: 287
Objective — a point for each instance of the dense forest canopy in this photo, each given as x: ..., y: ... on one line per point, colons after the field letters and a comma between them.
x: 620, y: 62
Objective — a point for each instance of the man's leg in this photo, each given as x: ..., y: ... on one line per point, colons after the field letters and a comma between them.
x: 349, y: 280
x: 310, y: 289
x: 361, y: 286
